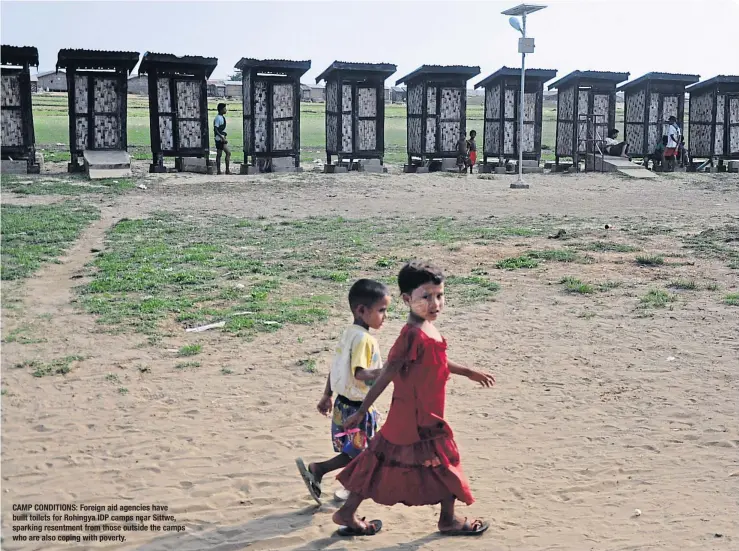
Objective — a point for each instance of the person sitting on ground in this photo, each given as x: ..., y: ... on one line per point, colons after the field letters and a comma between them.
x: 613, y: 147
x: 658, y: 155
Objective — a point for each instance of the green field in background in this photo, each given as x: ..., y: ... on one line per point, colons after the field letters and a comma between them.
x: 52, y: 128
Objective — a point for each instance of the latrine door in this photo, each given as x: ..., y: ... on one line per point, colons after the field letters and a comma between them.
x: 274, y: 117
x: 732, y: 118
x: 451, y: 124
x: 98, y: 113
x: 366, y: 119
x: 189, y: 136
x: 283, y: 106
x: 430, y: 139
x: 597, y: 104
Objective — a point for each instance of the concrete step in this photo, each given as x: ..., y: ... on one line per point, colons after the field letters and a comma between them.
x: 107, y: 164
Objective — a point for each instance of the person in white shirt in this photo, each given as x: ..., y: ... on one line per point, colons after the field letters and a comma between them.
x: 673, y: 142
x: 613, y: 147
x: 219, y: 132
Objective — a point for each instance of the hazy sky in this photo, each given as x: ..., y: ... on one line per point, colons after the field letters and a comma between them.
x: 681, y: 36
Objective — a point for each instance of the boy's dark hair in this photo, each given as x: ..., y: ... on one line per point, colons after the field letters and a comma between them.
x: 473, y: 132
x: 664, y: 140
x: 366, y: 292
x: 221, y: 106
x: 417, y: 273
x: 612, y: 133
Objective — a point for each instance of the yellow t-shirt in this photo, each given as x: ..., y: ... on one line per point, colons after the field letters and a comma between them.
x: 356, y: 348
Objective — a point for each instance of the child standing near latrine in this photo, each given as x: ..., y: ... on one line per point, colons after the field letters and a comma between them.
x: 471, y: 150
x: 356, y: 364
x: 413, y: 459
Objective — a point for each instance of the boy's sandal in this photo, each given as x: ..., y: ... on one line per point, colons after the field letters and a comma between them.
x: 310, y: 481
x: 370, y: 529
x: 475, y: 528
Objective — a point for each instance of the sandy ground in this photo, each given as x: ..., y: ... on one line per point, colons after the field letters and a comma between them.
x: 594, y: 416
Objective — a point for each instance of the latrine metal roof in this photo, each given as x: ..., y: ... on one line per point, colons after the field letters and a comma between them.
x: 18, y: 55
x: 96, y: 59
x: 274, y: 66
x: 531, y: 74
x: 430, y: 71
x: 718, y: 80
x: 172, y: 64
x: 669, y: 78
x: 593, y: 76
x: 383, y: 70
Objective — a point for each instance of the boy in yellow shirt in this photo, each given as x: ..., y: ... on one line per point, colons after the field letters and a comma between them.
x: 357, y: 363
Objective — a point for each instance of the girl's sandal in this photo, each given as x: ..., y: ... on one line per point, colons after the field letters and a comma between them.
x: 475, y: 528
x: 370, y: 529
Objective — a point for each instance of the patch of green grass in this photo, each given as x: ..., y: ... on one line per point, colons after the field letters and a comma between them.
x: 650, y: 260
x: 112, y: 378
x: 732, y: 299
x: 33, y: 235
x: 4, y: 392
x: 65, y: 185
x: 187, y: 365
x: 530, y: 259
x: 517, y: 262
x: 309, y: 365
x: 574, y: 285
x: 189, y: 350
x: 556, y: 255
x: 493, y: 233
x: 385, y: 262
x: 683, y: 285
x: 336, y: 276
x: 258, y: 274
x: 607, y: 246
x: 656, y: 298
x: 123, y: 390
x: 586, y: 315
x: 470, y: 289
x: 720, y: 242
x: 712, y: 287
x: 19, y: 335
x: 608, y: 285
x: 58, y: 366
x: 226, y: 371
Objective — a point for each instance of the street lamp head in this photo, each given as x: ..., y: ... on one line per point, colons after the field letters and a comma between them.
x: 515, y: 24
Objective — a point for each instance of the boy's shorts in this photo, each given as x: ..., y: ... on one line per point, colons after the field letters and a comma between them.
x: 353, y: 443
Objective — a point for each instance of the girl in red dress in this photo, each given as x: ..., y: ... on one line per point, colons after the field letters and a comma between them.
x: 413, y: 459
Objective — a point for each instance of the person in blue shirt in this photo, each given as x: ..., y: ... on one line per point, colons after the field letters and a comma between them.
x: 219, y: 131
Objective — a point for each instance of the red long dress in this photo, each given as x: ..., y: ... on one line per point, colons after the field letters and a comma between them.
x: 413, y: 459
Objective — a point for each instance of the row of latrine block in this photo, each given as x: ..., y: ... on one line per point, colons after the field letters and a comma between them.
x: 436, y: 109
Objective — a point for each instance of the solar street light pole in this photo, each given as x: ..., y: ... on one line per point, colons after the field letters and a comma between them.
x: 525, y: 45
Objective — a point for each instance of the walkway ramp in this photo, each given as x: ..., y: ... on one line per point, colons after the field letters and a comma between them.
x: 620, y: 165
